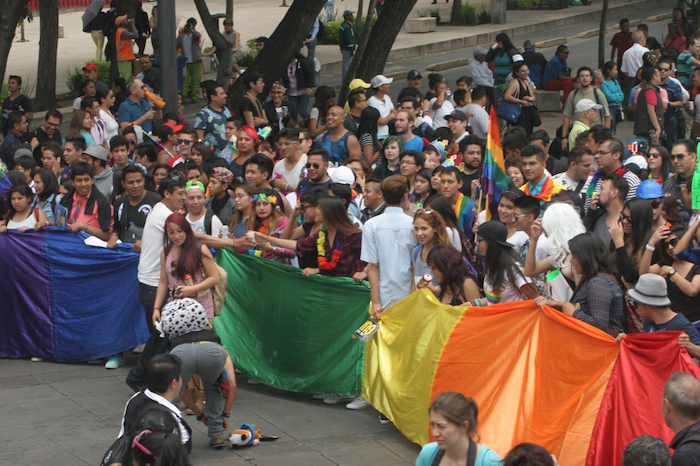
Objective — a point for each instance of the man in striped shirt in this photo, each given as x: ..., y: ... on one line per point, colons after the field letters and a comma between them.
x: 609, y: 158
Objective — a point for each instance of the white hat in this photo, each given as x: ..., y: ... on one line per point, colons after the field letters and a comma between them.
x: 380, y: 80
x: 479, y: 51
x: 342, y: 175
x: 650, y: 290
x: 586, y: 104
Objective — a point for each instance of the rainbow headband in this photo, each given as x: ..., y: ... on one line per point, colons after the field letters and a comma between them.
x: 265, y: 198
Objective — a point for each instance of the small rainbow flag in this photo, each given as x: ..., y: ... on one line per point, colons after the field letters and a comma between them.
x: 494, y: 179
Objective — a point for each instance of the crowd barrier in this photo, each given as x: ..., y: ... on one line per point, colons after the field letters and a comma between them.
x: 536, y: 374
x: 63, y: 300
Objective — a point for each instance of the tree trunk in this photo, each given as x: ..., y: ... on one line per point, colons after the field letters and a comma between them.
x: 11, y: 12
x: 229, y: 9
x: 124, y: 7
x: 456, y: 16
x: 601, y: 35
x: 223, y: 48
x: 358, y: 19
x: 384, y: 32
x: 283, y: 45
x: 48, y: 52
x: 359, y: 53
x: 498, y: 11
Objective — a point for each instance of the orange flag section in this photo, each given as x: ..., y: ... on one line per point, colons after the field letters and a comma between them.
x: 537, y: 375
x: 401, y: 359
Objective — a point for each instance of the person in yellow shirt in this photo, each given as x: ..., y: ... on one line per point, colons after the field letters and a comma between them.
x: 587, y: 114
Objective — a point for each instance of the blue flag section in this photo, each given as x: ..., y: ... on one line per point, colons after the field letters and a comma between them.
x: 66, y: 301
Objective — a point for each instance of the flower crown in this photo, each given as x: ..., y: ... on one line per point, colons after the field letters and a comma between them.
x: 265, y: 198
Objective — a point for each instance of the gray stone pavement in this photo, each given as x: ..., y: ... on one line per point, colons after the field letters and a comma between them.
x: 69, y: 414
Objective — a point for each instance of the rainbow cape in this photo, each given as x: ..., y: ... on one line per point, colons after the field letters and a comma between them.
x: 494, y: 179
x: 550, y: 188
x: 537, y: 375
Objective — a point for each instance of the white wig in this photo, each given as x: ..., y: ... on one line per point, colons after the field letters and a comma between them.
x: 560, y: 222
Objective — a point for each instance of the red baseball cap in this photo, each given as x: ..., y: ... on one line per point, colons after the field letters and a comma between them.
x: 175, y: 128
x: 90, y: 67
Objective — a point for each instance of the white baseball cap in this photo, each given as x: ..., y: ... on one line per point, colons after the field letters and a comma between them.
x: 586, y: 104
x: 380, y: 80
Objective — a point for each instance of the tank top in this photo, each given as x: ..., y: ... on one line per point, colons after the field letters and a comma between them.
x: 29, y: 222
x: 337, y: 149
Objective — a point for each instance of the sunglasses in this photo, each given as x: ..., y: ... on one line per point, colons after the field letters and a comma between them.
x: 677, y: 156
x: 185, y: 141
x: 673, y: 242
x: 655, y: 203
x: 424, y: 211
x: 137, y: 443
x: 315, y: 165
x: 624, y: 217
x: 654, y: 155
x: 133, y: 143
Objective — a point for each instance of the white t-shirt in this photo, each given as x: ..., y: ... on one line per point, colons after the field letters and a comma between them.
x: 198, y: 226
x: 111, y: 125
x: 479, y: 123
x: 292, y: 176
x: 455, y: 240
x: 517, y: 239
x: 509, y: 293
x: 385, y: 107
x: 152, y: 245
x: 440, y: 114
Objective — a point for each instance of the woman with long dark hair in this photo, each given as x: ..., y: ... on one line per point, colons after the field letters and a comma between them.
x: 187, y: 268
x: 389, y: 163
x: 324, y: 99
x: 20, y: 215
x: 501, y: 54
x: 597, y: 299
x: 504, y: 280
x: 444, y: 208
x: 46, y: 187
x: 680, y: 19
x: 613, y: 92
x: 630, y: 236
x: 268, y: 219
x: 457, y: 285
x: 659, y: 162
x: 506, y: 215
x: 434, y: 80
x: 453, y: 424
x: 367, y: 131
x: 336, y: 246
x: 423, y: 186
x: 106, y: 99
x: 520, y: 92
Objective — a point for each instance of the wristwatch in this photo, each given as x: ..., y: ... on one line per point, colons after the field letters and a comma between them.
x: 671, y: 272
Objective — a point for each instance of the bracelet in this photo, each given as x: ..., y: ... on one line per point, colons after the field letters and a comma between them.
x: 226, y: 414
x: 286, y: 188
x: 650, y: 248
x: 477, y: 302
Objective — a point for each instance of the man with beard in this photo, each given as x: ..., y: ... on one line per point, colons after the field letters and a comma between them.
x: 404, y: 129
x: 471, y: 150
x: 317, y: 168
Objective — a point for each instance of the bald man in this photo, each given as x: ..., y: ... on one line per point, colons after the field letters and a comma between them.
x: 340, y: 143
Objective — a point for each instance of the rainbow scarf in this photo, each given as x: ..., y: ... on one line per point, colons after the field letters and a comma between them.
x: 549, y: 188
x: 461, y: 204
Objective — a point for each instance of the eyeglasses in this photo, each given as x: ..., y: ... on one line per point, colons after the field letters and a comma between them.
x: 655, y: 203
x: 185, y: 141
x: 315, y: 165
x: 408, y: 162
x: 678, y: 156
x: 604, y: 152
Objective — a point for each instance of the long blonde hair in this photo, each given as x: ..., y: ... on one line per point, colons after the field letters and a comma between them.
x: 435, y: 221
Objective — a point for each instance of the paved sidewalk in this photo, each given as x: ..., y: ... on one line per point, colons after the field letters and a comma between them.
x: 260, y: 17
x: 69, y: 414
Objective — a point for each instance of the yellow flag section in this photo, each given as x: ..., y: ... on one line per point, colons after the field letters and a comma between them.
x: 537, y: 375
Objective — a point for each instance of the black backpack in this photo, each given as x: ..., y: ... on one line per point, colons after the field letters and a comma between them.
x: 321, y: 35
x: 207, y: 221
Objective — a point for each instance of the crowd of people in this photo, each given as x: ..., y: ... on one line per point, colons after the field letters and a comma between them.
x: 388, y: 193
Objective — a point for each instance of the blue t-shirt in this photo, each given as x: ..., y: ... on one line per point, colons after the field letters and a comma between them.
x: 678, y: 323
x: 131, y: 111
x: 415, y: 144
x: 485, y: 456
x: 213, y: 123
x: 554, y: 69
x: 673, y: 89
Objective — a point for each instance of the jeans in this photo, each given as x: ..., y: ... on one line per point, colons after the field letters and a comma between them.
x: 347, y: 59
x: 206, y: 359
x: 671, y: 130
x: 155, y: 344
x: 299, y: 105
x: 613, y: 117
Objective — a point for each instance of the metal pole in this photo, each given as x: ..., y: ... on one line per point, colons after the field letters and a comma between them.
x: 168, y: 54
x: 284, y: 3
x: 21, y: 30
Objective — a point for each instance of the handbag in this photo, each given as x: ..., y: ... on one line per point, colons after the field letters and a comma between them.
x: 509, y: 111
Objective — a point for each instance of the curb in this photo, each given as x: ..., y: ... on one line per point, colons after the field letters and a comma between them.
x: 550, y: 43
x: 660, y: 17
x: 447, y: 65
x: 487, y: 38
x: 587, y: 34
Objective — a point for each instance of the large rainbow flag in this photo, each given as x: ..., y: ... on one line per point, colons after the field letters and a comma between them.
x: 494, y: 179
x: 537, y: 375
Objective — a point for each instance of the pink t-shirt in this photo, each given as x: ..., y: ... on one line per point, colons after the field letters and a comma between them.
x: 78, y: 214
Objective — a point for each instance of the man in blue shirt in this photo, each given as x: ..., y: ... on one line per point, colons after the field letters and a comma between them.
x: 404, y: 129
x: 556, y: 77
x: 210, y: 122
x: 675, y: 101
x: 136, y: 110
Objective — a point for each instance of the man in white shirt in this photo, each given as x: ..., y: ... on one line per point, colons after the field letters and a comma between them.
x: 382, y: 102
x: 576, y: 178
x: 479, y: 119
x: 479, y: 69
x: 457, y: 122
x: 287, y: 172
x: 172, y: 188
x: 632, y: 59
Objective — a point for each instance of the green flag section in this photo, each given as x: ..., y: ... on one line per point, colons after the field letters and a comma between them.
x: 292, y: 332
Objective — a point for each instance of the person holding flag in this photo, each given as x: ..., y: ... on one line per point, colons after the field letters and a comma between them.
x: 494, y: 180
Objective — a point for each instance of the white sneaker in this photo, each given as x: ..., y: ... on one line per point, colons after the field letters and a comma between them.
x: 139, y: 349
x: 383, y: 420
x: 36, y: 359
x: 358, y: 403
x: 336, y: 400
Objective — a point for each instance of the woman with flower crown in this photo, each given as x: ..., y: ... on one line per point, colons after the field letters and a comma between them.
x: 336, y: 246
x: 270, y: 222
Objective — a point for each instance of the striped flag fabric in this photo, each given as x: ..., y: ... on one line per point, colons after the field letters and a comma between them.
x: 494, y: 179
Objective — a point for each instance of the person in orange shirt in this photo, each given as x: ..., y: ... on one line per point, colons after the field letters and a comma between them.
x: 124, y: 38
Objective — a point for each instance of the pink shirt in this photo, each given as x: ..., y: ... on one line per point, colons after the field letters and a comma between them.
x: 78, y: 214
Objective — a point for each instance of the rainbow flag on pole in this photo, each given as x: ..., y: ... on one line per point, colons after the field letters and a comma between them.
x: 494, y: 179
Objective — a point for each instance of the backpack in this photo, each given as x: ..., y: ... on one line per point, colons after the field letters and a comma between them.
x: 321, y: 35
x: 207, y: 221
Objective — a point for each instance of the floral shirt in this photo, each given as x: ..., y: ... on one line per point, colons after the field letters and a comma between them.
x: 214, y: 125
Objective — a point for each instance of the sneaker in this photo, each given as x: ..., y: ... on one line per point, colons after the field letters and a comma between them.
x: 336, y: 400
x: 383, y: 420
x: 358, y: 403
x: 252, y: 381
x: 217, y: 441
x: 139, y: 349
x: 36, y: 359
x: 115, y: 362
